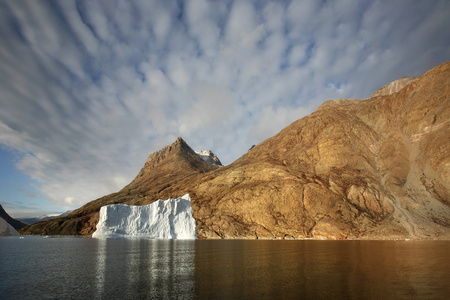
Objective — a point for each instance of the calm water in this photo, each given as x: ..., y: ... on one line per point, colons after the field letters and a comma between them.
x: 85, y: 268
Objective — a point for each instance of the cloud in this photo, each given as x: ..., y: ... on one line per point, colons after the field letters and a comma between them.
x: 90, y: 89
x: 208, y: 109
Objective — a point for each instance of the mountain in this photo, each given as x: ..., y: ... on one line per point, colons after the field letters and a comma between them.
x: 13, y: 222
x: 162, y: 169
x: 373, y: 168
x: 29, y: 221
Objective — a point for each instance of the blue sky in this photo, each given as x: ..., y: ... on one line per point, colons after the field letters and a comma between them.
x: 89, y: 89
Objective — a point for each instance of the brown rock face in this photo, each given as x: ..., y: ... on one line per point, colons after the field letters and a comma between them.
x: 374, y: 168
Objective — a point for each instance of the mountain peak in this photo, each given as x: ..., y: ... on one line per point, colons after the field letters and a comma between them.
x: 178, y: 145
x: 177, y: 159
x: 179, y: 140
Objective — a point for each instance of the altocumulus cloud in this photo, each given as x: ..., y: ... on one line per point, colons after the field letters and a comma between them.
x: 90, y: 88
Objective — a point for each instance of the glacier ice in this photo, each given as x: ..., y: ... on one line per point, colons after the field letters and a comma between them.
x: 168, y: 219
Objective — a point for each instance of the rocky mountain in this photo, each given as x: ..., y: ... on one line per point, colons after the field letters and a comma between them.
x: 373, y: 168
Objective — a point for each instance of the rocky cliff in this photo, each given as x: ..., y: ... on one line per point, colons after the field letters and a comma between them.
x: 373, y: 168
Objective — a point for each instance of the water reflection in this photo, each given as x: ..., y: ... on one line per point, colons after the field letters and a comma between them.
x: 322, y: 269
x: 271, y: 269
x: 145, y: 269
x: 83, y: 268
x: 100, y: 267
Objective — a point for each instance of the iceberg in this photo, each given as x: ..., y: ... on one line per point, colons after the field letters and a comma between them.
x: 162, y: 219
x: 6, y: 229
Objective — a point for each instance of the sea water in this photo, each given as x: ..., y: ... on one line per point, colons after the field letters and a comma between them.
x: 86, y: 268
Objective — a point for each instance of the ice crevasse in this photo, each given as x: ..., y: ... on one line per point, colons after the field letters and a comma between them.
x: 162, y: 219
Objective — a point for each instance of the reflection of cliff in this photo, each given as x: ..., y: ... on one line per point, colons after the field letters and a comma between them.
x: 245, y: 269
x: 373, y: 168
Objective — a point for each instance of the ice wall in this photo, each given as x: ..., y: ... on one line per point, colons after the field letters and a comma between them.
x: 169, y: 219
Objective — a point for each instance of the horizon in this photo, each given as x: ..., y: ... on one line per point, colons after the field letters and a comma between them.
x: 91, y: 89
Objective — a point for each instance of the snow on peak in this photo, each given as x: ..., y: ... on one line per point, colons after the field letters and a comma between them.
x: 169, y: 219
x: 208, y: 156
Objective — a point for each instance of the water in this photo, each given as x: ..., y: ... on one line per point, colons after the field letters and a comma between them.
x: 85, y: 268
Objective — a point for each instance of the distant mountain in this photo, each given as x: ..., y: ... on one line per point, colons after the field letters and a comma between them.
x: 374, y: 168
x: 30, y: 221
x: 13, y: 222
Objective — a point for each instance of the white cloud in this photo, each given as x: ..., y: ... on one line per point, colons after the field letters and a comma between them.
x: 90, y: 89
x: 208, y: 109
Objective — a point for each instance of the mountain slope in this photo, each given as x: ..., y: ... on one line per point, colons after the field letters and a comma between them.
x: 373, y: 168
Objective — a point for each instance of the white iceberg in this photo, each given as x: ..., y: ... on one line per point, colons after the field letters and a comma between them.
x: 6, y: 229
x: 169, y: 219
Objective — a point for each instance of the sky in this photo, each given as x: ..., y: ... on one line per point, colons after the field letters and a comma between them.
x: 89, y: 89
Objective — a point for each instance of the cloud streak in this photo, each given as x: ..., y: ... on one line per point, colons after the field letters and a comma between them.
x: 90, y: 88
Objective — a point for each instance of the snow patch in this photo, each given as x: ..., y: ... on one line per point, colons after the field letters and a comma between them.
x: 169, y: 219
x: 208, y: 156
